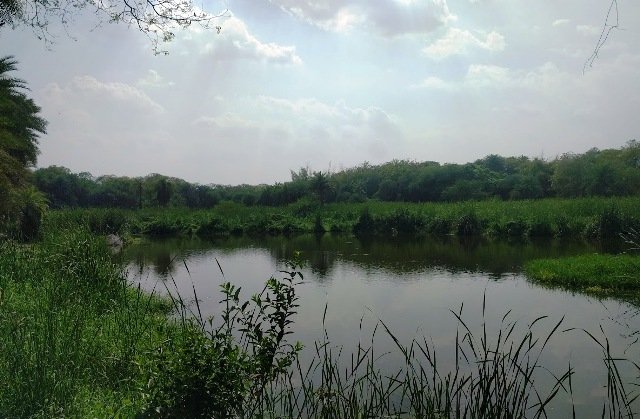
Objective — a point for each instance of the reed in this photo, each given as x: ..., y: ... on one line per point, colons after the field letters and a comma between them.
x: 492, y: 377
x: 591, y: 218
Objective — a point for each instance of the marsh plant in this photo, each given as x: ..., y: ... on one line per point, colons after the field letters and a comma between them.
x: 222, y: 369
x: 491, y: 377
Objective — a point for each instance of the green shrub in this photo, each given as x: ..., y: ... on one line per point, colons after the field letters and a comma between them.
x: 109, y: 221
x: 317, y: 225
x: 516, y: 228
x: 588, y: 272
x: 607, y: 224
x: 468, y: 225
x: 439, y: 226
x: 224, y: 372
x: 159, y: 227
x: 214, y: 226
x: 365, y: 224
x: 540, y: 228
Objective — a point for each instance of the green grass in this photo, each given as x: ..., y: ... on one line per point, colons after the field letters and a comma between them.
x: 72, y: 330
x: 592, y: 218
x: 593, y: 273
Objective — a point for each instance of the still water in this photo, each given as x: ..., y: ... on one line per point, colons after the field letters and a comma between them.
x: 413, y: 286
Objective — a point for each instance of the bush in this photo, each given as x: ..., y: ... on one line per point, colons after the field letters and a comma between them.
x: 223, y: 373
x: 110, y: 221
x: 468, y: 225
x: 212, y: 227
x: 607, y: 224
x: 162, y: 227
x: 516, y: 228
x: 439, y: 226
x: 540, y: 228
x: 365, y: 224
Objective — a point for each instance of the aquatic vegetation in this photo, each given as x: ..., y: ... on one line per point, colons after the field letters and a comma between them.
x: 594, y: 272
x: 591, y: 218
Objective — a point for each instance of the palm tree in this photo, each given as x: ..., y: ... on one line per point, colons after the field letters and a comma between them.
x: 20, y: 124
x: 320, y: 186
x: 20, y: 127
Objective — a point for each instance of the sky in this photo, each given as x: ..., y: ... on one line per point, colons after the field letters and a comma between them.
x: 333, y: 84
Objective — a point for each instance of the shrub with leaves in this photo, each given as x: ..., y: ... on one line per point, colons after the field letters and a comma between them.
x: 223, y: 370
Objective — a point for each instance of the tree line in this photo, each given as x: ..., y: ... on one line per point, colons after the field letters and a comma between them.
x: 611, y: 172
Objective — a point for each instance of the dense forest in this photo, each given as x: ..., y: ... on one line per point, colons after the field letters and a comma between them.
x: 612, y: 172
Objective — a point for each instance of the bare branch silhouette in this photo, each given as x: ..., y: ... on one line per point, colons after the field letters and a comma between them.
x: 612, y: 14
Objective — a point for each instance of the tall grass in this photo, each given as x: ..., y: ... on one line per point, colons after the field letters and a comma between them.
x: 491, y: 377
x: 593, y: 218
x: 71, y: 329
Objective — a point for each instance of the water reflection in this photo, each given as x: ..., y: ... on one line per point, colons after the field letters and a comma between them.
x: 411, y: 284
x: 397, y: 255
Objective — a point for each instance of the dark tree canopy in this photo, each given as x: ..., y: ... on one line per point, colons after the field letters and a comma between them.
x: 614, y: 172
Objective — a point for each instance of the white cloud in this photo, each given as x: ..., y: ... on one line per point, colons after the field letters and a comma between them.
x: 84, y: 89
x: 384, y: 17
x: 432, y: 82
x: 308, y: 129
x: 488, y: 75
x: 236, y: 42
x: 560, y: 22
x: 457, y: 41
x: 544, y: 78
x: 588, y: 30
x: 153, y: 79
x: 96, y: 125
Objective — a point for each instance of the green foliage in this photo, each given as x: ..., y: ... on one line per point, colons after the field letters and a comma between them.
x: 517, y: 228
x: 468, y: 225
x: 598, y: 173
x: 365, y: 224
x: 594, y: 273
x: 63, y: 188
x: 320, y: 186
x: 439, y: 226
x: 212, y: 227
x: 607, y: 224
x: 317, y: 225
x: 69, y: 324
x: 592, y: 218
x: 224, y: 372
x: 109, y: 221
x: 605, y: 173
x: 163, y: 192
x: 20, y: 127
x: 194, y: 376
x: 34, y: 206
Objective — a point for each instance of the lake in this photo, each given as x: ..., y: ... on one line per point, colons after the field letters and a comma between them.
x: 412, y: 285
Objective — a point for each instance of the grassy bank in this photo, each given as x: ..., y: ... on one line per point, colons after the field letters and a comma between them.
x: 72, y: 329
x: 592, y: 218
x: 595, y: 273
x: 79, y: 341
